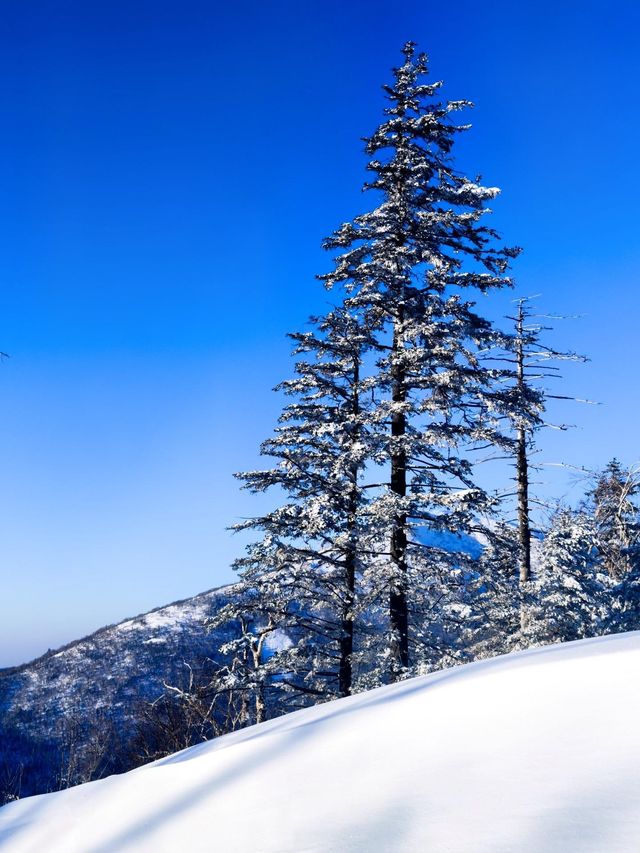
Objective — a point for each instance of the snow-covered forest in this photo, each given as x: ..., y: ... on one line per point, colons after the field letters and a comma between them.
x: 385, y: 554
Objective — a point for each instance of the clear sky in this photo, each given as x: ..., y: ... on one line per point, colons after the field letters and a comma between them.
x: 168, y: 170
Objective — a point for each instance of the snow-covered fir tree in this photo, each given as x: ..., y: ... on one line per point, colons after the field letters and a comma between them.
x: 612, y: 500
x: 571, y: 598
x: 625, y: 610
x: 413, y: 260
x: 302, y: 571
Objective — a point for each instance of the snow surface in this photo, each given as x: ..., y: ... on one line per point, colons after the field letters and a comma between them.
x: 537, y: 752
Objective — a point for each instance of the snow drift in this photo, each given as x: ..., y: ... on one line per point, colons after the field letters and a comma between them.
x: 536, y: 752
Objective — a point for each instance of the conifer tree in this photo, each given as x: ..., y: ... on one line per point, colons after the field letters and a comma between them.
x: 625, y: 612
x: 303, y: 569
x: 413, y: 259
x: 531, y: 365
x: 617, y: 517
x: 572, y: 593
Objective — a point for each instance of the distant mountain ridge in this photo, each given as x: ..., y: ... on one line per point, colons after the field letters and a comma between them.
x: 110, y: 673
x: 184, y: 606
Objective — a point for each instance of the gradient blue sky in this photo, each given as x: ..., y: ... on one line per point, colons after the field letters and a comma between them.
x: 168, y: 170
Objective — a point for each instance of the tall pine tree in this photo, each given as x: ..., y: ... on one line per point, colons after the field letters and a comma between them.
x: 411, y: 261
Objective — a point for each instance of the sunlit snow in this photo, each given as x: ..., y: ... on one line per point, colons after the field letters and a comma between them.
x: 536, y: 753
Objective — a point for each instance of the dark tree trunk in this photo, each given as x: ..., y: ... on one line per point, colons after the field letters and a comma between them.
x: 398, y: 611
x: 522, y: 466
x: 346, y: 641
x: 524, y: 527
x: 345, y: 672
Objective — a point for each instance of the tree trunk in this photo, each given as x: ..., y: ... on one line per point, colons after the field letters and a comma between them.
x: 522, y: 466
x: 346, y: 640
x: 398, y: 611
x: 345, y: 672
x: 524, y: 526
x: 259, y: 703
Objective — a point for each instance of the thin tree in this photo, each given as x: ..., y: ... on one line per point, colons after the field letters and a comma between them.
x: 531, y: 366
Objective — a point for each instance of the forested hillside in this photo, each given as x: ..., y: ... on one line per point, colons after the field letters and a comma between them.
x: 79, y: 712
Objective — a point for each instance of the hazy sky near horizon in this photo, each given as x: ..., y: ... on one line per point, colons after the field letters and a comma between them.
x: 168, y: 171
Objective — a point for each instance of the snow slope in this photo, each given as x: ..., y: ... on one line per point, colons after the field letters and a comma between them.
x: 530, y: 753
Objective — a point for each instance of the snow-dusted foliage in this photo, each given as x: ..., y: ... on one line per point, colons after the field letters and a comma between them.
x: 612, y: 501
x: 571, y: 595
x: 625, y: 613
x: 495, y: 597
x: 348, y: 584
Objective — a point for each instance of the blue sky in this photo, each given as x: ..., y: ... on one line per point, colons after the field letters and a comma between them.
x: 168, y: 171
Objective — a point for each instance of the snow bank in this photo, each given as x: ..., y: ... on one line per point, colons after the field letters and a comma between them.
x: 535, y: 753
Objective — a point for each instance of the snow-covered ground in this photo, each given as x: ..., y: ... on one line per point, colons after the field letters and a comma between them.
x: 529, y: 753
